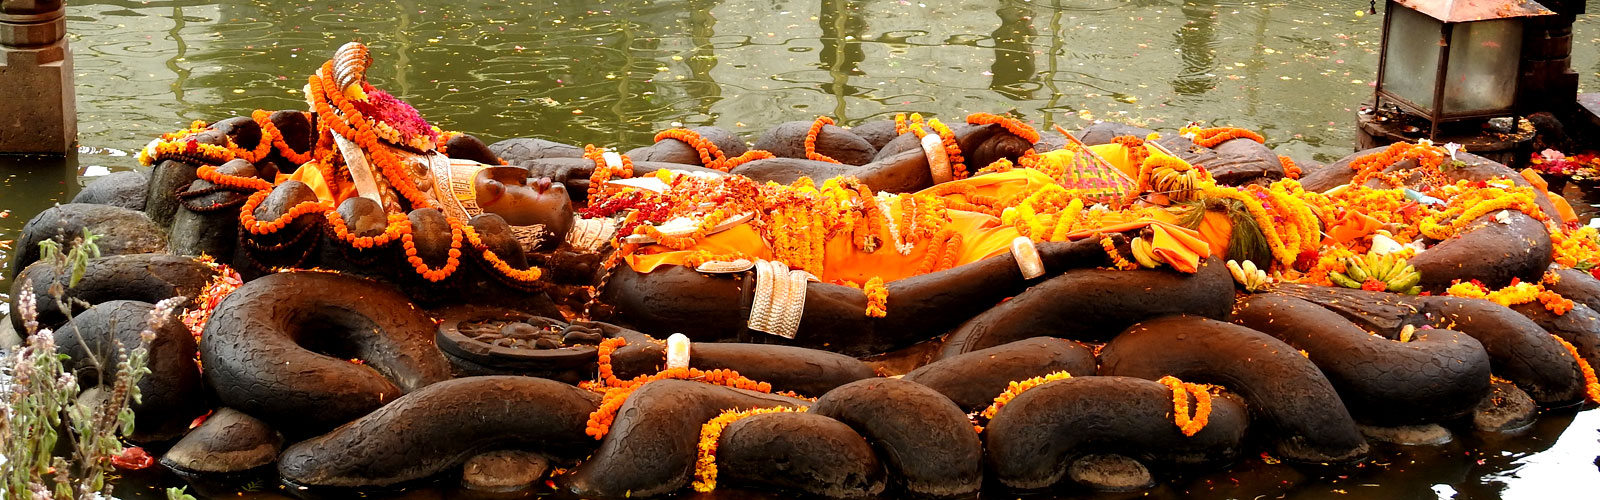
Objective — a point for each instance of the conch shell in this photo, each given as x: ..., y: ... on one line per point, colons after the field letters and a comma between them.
x: 350, y: 65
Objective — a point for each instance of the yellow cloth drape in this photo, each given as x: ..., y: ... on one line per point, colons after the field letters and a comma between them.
x: 982, y: 236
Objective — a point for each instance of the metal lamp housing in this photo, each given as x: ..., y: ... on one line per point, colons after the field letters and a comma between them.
x: 1453, y: 60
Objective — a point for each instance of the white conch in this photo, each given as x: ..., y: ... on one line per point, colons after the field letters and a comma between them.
x: 677, y: 351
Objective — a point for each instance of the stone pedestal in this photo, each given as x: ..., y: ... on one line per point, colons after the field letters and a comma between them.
x: 1512, y: 149
x: 40, y: 110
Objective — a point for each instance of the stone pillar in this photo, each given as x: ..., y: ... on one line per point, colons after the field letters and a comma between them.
x: 40, y: 111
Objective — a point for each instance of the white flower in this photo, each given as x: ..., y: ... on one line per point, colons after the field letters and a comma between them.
x: 1452, y: 148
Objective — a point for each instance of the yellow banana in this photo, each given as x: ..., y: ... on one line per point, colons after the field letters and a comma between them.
x: 1143, y: 253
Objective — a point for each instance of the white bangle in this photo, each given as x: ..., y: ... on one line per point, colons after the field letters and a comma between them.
x: 677, y: 351
x: 763, y: 296
x: 1027, y: 256
x: 938, y: 162
x: 787, y: 324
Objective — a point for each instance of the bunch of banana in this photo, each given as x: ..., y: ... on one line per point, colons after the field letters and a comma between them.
x: 1248, y: 275
x: 1390, y: 270
x: 1145, y: 253
x: 1179, y: 185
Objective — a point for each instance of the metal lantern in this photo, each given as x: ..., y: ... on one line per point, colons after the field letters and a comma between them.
x: 1453, y: 60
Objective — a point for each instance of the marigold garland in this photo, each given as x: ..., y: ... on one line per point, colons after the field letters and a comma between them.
x: 1291, y: 170
x: 525, y: 276
x: 705, y: 466
x: 1181, y: 390
x: 606, y: 348
x: 264, y: 119
x: 952, y: 149
x: 1213, y: 137
x: 877, y: 297
x: 397, y: 225
x: 603, y: 172
x: 1117, y: 260
x: 1016, y: 127
x: 247, y: 216
x: 616, y: 391
x: 711, y: 156
x: 811, y: 140
x: 1016, y: 388
x: 1428, y: 158
x: 1591, y: 385
x: 210, y: 174
x: 1518, y: 292
x: 451, y: 262
x: 1467, y: 208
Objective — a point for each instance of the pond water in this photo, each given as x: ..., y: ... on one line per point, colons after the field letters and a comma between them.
x: 613, y: 73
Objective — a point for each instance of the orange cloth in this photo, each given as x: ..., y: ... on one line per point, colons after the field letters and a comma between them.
x: 1563, y: 209
x: 312, y: 176
x: 1353, y: 225
x: 982, y: 237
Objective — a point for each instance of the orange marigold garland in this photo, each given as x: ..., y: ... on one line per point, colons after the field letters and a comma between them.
x: 210, y: 174
x: 608, y: 346
x: 811, y: 140
x: 604, y: 172
x: 1016, y: 127
x: 1213, y: 137
x: 268, y: 129
x: 711, y: 156
x: 705, y: 466
x: 1428, y: 159
x: 1016, y: 388
x: 1181, y: 390
x: 1117, y: 260
x: 451, y: 263
x: 247, y: 216
x: 1290, y: 169
x: 877, y: 297
x: 398, y: 224
x: 617, y: 391
x: 1591, y: 385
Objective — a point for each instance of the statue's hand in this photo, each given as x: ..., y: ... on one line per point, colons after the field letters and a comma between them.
x: 1060, y: 256
x: 572, y: 172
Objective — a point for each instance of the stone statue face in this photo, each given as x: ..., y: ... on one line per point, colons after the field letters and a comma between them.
x: 507, y: 192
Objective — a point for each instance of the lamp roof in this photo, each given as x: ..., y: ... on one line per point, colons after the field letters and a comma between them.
x: 1461, y: 11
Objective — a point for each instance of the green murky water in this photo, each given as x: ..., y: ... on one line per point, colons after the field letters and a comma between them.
x: 614, y: 72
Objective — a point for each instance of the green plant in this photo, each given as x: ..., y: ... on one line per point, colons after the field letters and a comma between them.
x: 38, y: 397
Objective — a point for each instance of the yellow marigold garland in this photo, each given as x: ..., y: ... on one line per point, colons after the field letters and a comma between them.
x: 877, y: 297
x: 1016, y: 388
x: 705, y: 466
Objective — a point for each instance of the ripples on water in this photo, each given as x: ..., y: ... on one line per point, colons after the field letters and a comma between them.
x: 614, y: 72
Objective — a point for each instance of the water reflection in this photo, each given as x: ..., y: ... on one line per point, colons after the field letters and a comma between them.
x: 842, y: 27
x: 1014, y: 66
x: 1196, y: 44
